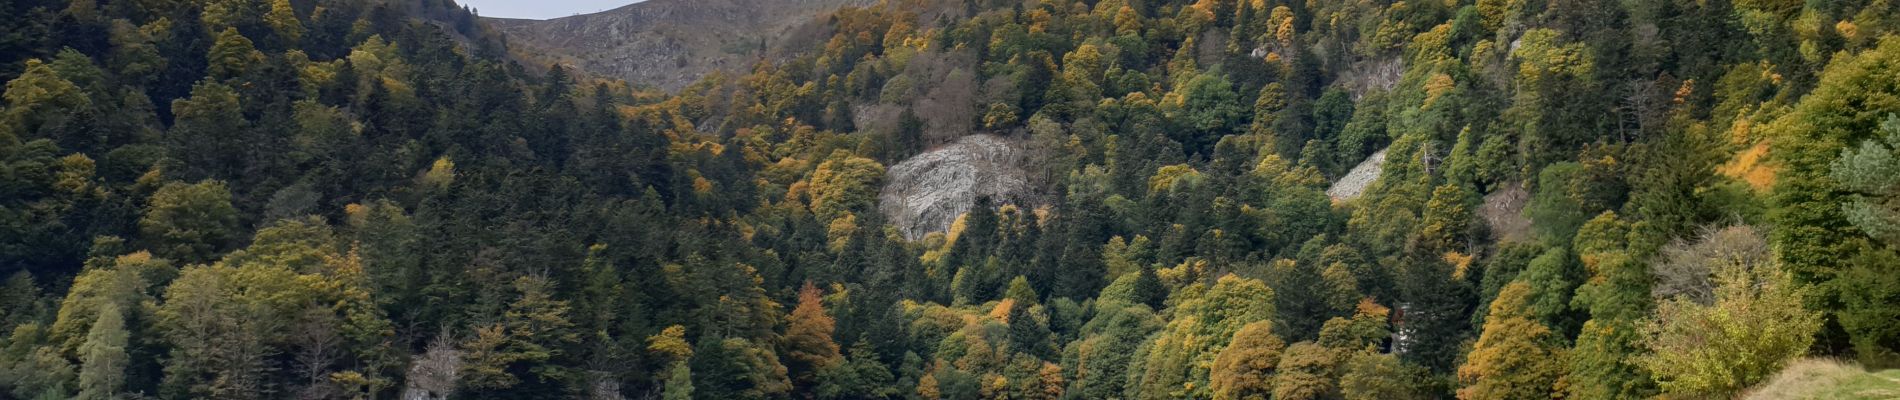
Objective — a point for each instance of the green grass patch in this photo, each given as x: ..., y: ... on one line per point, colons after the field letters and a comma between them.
x: 1829, y: 379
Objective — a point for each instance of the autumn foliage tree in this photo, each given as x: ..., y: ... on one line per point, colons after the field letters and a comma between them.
x: 1177, y: 358
x: 808, y: 346
x: 1515, y: 357
x: 1244, y: 370
x: 1306, y: 371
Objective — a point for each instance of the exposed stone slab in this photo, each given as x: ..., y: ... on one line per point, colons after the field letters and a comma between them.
x: 927, y: 192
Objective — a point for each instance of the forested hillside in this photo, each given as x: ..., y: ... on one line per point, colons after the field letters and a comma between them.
x: 1585, y: 199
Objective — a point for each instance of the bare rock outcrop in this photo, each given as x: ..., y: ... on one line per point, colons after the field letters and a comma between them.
x: 927, y: 192
x: 1355, y: 182
x: 1503, y: 211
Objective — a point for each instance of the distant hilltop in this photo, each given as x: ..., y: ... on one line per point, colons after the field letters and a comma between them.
x: 671, y: 43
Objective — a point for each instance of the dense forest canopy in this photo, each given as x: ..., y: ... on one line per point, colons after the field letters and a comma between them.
x: 1591, y: 199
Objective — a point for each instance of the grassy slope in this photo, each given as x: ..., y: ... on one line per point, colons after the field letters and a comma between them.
x: 1828, y: 379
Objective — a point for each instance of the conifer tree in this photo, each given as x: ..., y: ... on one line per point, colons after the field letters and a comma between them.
x: 860, y: 376
x: 1020, y: 291
x: 1105, y: 357
x: 522, y: 353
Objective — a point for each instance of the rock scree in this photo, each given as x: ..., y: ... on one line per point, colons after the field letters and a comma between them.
x: 1503, y: 211
x: 927, y: 192
x: 1355, y: 182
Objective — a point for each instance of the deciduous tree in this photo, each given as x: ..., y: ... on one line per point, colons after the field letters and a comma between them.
x: 189, y: 222
x: 1756, y: 325
x: 1244, y: 370
x: 809, y: 348
x: 1515, y: 357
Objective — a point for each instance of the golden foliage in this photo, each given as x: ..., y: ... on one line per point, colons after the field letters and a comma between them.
x: 1244, y: 370
x: 1001, y: 311
x: 808, y: 335
x: 1437, y: 87
x: 671, y: 343
x: 1752, y: 165
x: 1460, y: 263
x: 1514, y: 357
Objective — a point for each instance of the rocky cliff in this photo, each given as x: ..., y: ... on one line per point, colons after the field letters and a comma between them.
x: 670, y: 43
x: 927, y: 193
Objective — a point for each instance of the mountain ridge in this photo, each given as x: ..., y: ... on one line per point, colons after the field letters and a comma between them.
x: 667, y: 43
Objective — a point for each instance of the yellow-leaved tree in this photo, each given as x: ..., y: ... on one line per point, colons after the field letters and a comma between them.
x: 1516, y: 357
x: 1244, y: 370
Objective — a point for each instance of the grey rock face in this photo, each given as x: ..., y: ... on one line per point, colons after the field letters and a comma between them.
x: 927, y: 193
x: 1355, y: 182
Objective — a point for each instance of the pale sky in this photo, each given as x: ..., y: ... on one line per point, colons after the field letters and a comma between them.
x: 541, y: 9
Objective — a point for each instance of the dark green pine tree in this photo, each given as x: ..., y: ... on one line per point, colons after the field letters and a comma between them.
x: 1437, y: 311
x: 978, y: 239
